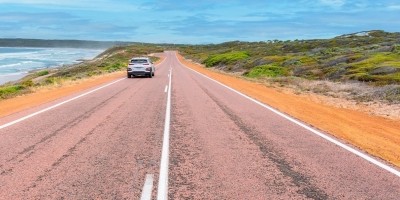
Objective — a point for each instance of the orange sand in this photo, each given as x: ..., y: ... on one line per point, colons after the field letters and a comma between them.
x: 376, y: 135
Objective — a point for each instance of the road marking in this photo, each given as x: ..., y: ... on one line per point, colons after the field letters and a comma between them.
x: 147, y: 187
x: 166, y: 88
x: 64, y: 102
x: 316, y: 132
x: 57, y: 105
x: 161, y: 62
x: 162, y: 193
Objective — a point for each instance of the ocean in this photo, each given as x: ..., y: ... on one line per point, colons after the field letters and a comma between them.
x: 17, y: 62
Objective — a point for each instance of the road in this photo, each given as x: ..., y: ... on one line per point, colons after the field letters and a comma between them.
x: 105, y: 144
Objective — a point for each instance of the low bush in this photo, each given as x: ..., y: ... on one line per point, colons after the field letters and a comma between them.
x: 269, y: 70
x: 7, y: 91
x: 42, y: 73
x: 226, y: 58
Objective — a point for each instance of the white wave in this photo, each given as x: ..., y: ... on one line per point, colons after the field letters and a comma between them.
x: 42, y: 58
x: 10, y: 65
x: 13, y: 74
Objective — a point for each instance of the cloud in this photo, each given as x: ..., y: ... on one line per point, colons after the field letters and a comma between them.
x: 202, y: 21
x: 333, y: 3
x: 394, y: 7
x: 59, y: 26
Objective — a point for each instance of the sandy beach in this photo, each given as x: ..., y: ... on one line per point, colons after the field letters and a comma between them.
x: 4, y: 78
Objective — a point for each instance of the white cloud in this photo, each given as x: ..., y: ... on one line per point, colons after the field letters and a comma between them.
x: 394, y: 7
x: 333, y: 3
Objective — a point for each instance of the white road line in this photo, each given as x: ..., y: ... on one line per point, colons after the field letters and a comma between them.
x: 162, y: 193
x: 64, y: 102
x: 161, y: 62
x: 57, y: 105
x: 316, y: 132
x: 147, y: 187
x: 166, y: 88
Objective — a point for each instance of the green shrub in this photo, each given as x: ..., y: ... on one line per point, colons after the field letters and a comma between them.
x: 269, y: 70
x: 42, y: 73
x: 7, y: 91
x: 225, y: 58
x: 115, y: 67
x: 53, y: 80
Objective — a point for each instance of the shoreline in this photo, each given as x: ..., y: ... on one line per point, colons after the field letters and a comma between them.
x: 14, y: 78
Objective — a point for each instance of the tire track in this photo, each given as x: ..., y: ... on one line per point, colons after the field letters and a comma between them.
x: 302, y: 181
x: 186, y: 150
x: 30, y: 150
x: 71, y: 150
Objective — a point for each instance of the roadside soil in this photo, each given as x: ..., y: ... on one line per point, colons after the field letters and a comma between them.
x: 376, y: 135
x: 50, y: 93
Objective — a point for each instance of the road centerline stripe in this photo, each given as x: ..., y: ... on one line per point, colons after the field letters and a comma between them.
x: 303, y: 125
x: 147, y: 187
x: 162, y: 193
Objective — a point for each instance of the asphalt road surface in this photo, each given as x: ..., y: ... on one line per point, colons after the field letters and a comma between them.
x: 108, y: 144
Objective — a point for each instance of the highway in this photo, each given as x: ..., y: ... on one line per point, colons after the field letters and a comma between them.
x: 208, y: 142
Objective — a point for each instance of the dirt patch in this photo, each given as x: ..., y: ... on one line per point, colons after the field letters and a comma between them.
x: 376, y: 135
x: 50, y: 93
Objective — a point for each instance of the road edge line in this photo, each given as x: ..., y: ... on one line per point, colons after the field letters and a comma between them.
x: 303, y: 125
x: 57, y: 105
x: 64, y: 102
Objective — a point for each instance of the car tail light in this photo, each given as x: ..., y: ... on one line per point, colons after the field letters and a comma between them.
x: 148, y: 69
x: 129, y: 69
x: 146, y: 64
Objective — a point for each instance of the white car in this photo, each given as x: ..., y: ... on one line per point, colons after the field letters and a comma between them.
x: 140, y: 66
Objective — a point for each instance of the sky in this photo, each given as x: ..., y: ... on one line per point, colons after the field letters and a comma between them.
x: 194, y: 21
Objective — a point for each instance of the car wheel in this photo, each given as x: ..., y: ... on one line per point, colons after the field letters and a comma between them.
x: 150, y: 76
x: 129, y: 76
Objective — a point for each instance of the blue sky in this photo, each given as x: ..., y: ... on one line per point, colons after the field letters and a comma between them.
x: 196, y: 21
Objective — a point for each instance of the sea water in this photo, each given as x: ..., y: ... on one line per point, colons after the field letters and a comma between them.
x: 16, y: 62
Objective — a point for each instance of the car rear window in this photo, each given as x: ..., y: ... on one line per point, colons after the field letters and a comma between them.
x: 138, y: 61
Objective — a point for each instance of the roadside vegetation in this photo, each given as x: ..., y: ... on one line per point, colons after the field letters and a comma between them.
x: 111, y: 60
x: 362, y: 66
x: 368, y: 63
